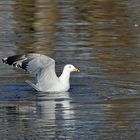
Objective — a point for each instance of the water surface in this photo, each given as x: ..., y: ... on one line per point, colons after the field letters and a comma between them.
x: 100, y: 37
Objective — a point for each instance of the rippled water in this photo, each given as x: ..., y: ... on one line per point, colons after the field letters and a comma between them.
x: 102, y: 37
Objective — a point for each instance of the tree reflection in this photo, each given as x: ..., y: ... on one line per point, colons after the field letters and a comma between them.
x: 36, y: 25
x: 112, y: 36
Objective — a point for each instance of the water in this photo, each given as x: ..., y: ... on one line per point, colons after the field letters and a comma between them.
x: 100, y: 37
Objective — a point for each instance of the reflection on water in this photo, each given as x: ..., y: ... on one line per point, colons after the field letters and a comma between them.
x: 97, y: 36
x: 28, y: 117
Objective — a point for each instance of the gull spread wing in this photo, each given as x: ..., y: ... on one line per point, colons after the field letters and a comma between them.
x: 40, y: 65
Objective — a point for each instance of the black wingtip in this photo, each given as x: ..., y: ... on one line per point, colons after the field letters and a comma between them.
x: 4, y: 60
x: 18, y: 61
x: 11, y: 59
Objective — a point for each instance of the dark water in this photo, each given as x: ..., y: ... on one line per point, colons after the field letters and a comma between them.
x: 102, y: 37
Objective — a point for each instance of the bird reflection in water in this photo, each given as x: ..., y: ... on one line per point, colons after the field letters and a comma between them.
x: 49, y: 112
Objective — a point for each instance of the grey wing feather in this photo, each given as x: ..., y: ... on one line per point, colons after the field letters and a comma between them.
x: 32, y: 85
x: 36, y: 64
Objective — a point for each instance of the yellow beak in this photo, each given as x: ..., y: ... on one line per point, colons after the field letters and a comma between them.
x: 76, y: 69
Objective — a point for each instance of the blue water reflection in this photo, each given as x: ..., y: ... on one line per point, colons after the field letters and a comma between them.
x: 99, y: 37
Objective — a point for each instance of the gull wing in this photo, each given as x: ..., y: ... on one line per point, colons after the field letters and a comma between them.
x: 39, y: 65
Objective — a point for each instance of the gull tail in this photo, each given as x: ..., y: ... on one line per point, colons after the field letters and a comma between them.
x: 32, y: 85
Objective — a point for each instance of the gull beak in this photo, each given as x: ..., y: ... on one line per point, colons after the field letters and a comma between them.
x: 76, y: 70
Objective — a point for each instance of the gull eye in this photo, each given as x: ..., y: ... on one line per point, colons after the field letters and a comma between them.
x: 69, y: 66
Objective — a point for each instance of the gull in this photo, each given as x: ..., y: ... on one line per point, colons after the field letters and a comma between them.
x: 43, y: 68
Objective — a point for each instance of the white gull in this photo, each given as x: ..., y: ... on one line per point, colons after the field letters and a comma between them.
x: 43, y: 67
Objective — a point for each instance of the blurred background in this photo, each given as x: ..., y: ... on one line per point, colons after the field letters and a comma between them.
x: 102, y: 38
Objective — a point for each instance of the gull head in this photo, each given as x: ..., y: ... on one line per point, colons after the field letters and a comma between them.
x: 70, y: 68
